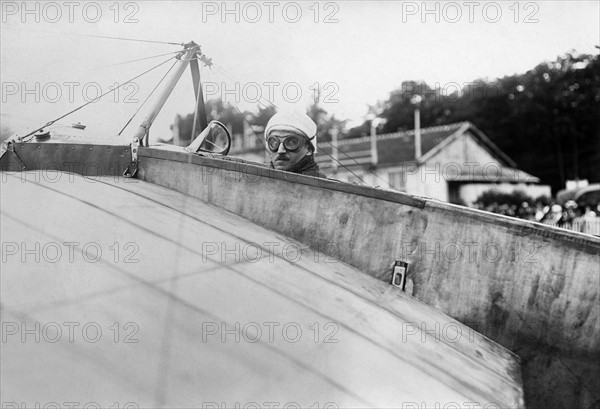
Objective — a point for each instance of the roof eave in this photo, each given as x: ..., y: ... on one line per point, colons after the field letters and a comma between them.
x: 492, y: 146
x: 437, y: 148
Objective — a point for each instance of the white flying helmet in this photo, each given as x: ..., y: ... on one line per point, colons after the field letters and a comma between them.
x: 296, y: 122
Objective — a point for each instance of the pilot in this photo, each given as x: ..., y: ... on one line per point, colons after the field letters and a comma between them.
x: 291, y: 142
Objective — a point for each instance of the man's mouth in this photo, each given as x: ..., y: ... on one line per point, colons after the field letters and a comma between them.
x: 281, y: 159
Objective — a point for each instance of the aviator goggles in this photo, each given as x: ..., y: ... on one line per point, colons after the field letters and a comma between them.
x: 291, y: 143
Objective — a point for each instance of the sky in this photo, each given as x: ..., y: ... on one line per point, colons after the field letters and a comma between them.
x: 355, y: 52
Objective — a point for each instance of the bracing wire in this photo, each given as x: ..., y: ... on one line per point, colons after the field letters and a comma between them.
x: 222, y: 71
x: 139, y: 59
x: 249, y: 124
x: 345, y: 167
x: 147, y: 98
x: 263, y: 143
x: 98, y: 36
x: 351, y: 158
x: 273, y: 107
x: 240, y: 111
x: 95, y: 99
x: 268, y: 105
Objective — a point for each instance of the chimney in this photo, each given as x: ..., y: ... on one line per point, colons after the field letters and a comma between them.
x: 417, y: 134
x: 416, y: 100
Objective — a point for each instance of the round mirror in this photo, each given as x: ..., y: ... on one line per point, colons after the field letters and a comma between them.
x: 214, y: 139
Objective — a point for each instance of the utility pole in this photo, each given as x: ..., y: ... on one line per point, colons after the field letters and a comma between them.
x: 334, y: 143
x: 374, y: 156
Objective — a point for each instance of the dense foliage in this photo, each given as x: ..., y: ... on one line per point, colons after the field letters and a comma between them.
x: 547, y: 120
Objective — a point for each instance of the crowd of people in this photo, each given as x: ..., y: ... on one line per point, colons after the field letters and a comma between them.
x: 543, y: 209
x: 514, y: 204
x: 568, y: 213
x: 523, y: 210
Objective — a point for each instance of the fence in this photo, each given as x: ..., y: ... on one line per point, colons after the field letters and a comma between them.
x: 587, y: 226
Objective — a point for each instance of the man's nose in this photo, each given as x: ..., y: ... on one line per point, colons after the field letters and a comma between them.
x: 281, y: 149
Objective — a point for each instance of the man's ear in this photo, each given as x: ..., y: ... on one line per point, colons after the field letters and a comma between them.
x: 311, y: 150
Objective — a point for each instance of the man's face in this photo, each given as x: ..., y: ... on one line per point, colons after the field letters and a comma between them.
x: 282, y: 159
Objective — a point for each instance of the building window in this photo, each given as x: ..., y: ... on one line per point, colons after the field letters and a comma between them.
x: 397, y: 180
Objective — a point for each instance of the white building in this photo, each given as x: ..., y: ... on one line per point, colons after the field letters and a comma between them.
x: 457, y: 164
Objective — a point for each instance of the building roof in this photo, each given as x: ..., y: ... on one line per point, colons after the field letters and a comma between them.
x: 490, y: 173
x: 394, y: 149
x: 398, y: 147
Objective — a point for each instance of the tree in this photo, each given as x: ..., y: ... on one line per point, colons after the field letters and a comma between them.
x: 325, y: 122
x: 546, y: 119
x: 215, y: 111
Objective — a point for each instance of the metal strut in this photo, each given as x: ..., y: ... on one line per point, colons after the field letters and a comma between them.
x: 200, y: 118
x: 190, y: 53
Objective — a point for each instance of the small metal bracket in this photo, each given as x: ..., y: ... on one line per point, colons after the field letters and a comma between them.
x: 205, y: 60
x: 135, y: 145
x: 5, y: 147
x: 399, y: 271
x: 10, y: 147
x: 131, y: 170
